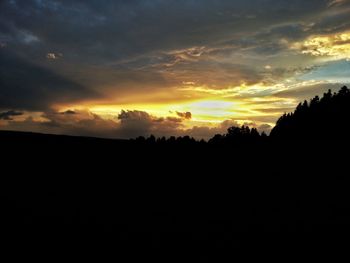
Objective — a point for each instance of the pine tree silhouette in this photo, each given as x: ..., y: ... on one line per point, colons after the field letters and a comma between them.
x: 325, y: 118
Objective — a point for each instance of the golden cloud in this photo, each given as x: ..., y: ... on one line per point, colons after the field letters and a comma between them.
x: 332, y: 47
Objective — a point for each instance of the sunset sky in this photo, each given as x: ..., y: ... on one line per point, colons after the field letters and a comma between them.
x: 124, y: 68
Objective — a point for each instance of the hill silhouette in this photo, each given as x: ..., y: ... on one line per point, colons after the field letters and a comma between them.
x: 240, y: 190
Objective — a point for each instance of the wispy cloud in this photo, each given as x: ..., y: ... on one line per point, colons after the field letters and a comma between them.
x: 54, y: 56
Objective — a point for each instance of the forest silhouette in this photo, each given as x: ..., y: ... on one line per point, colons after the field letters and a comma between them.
x: 325, y: 117
x: 239, y: 189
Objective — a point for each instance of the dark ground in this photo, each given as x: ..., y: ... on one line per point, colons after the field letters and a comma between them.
x: 60, y: 192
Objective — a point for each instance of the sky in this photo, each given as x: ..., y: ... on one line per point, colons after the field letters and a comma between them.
x: 128, y: 68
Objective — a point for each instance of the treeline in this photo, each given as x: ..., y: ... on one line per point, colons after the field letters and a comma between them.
x: 233, y: 135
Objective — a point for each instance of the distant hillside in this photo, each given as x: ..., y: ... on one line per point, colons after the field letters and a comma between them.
x: 327, y: 118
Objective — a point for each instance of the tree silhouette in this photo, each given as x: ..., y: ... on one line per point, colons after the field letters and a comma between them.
x: 324, y: 118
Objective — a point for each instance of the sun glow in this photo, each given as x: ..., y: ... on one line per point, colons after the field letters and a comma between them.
x: 202, y: 110
x: 244, y: 102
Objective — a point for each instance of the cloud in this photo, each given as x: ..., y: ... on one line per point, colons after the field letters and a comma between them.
x: 205, y: 132
x: 135, y: 123
x: 69, y: 112
x: 192, y: 54
x: 140, y: 123
x: 125, y: 29
x: 337, y: 2
x: 54, y: 56
x: 128, y: 124
x: 335, y: 46
x: 184, y: 115
x: 308, y: 91
x: 82, y: 123
x: 8, y: 115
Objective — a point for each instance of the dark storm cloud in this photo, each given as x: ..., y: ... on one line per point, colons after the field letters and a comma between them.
x: 122, y: 36
x: 109, y: 30
x: 24, y: 85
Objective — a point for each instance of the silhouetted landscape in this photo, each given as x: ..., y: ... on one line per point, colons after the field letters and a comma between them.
x: 174, y: 130
x: 243, y: 188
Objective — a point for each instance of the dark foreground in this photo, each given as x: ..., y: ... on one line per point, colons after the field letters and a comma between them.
x: 60, y: 193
